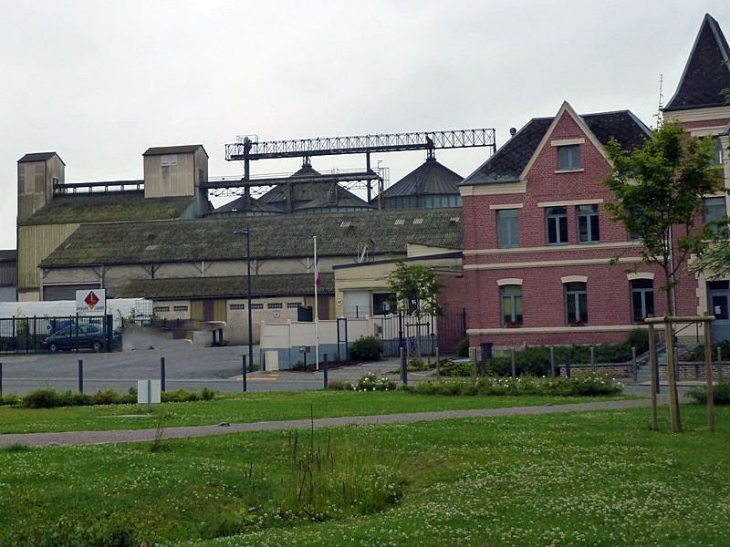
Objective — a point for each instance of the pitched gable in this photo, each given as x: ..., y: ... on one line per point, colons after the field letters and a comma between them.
x: 515, y: 158
x: 707, y: 72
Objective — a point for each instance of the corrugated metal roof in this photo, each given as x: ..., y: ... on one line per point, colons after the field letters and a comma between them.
x: 280, y: 236
x: 182, y: 149
x: 38, y: 156
x: 262, y: 286
x: 430, y: 178
x: 707, y: 72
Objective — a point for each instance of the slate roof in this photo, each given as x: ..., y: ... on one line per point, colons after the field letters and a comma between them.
x: 430, y: 178
x: 280, y: 236
x: 707, y: 71
x: 38, y: 156
x: 510, y: 160
x: 262, y: 286
x: 313, y: 194
x: 184, y: 149
x: 112, y: 207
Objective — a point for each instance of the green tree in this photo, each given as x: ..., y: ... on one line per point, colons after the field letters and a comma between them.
x: 416, y: 288
x: 658, y: 192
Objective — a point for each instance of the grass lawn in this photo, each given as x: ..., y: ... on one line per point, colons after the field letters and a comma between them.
x: 254, y: 407
x: 600, y: 478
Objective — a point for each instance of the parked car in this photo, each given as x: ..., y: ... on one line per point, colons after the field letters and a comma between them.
x: 76, y: 336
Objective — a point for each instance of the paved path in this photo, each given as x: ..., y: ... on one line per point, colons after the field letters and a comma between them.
x: 140, y: 435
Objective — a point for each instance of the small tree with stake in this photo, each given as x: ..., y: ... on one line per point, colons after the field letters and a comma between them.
x: 658, y: 191
x: 415, y: 288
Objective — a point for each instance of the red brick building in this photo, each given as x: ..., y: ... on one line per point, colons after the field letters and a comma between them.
x: 538, y: 243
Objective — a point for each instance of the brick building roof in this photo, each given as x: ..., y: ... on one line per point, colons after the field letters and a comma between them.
x: 707, y: 72
x: 507, y: 164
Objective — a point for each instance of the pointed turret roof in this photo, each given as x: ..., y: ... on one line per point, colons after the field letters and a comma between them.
x: 707, y: 72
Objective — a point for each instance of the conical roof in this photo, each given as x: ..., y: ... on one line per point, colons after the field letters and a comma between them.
x: 311, y: 195
x: 430, y: 178
x: 707, y: 72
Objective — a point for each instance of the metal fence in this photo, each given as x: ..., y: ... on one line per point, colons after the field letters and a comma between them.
x: 27, y: 334
x: 422, y: 335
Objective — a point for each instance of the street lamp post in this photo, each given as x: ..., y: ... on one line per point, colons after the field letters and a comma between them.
x: 245, y: 232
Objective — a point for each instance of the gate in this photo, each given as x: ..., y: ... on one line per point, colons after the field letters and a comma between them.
x: 427, y: 333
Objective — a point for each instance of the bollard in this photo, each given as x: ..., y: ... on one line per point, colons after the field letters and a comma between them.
x: 403, y: 367
x: 634, y: 369
x: 552, y: 362
x: 81, y: 376
x: 593, y: 359
x: 162, y: 374
x: 324, y: 364
x: 244, y: 367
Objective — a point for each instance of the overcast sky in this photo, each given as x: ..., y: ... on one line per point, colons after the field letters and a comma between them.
x: 99, y: 82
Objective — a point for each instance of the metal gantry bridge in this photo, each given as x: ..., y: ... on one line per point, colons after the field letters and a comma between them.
x: 248, y: 148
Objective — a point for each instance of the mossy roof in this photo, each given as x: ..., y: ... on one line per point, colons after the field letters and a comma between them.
x: 262, y: 286
x: 387, y: 233
x: 112, y: 207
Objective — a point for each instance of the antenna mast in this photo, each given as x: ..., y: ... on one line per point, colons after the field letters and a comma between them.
x: 658, y: 115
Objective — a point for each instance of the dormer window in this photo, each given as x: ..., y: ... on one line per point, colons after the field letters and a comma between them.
x: 569, y: 157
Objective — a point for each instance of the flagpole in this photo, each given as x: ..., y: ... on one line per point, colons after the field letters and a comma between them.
x: 316, y: 307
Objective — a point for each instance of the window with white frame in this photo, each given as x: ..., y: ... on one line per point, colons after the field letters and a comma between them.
x: 576, y: 303
x: 508, y: 228
x: 293, y: 305
x: 179, y: 308
x: 642, y: 299
x: 569, y: 157
x: 557, y: 225
x: 511, y: 296
x: 236, y: 307
x: 588, y: 225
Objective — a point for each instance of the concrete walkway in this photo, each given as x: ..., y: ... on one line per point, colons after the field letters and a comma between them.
x: 142, y: 435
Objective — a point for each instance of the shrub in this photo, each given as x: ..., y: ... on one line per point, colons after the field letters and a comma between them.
x: 10, y: 400
x: 582, y: 384
x: 638, y: 338
x: 416, y: 364
x: 367, y: 348
x: 462, y: 347
x: 720, y: 393
x: 369, y: 382
x: 451, y: 369
x: 340, y: 385
x: 50, y: 398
